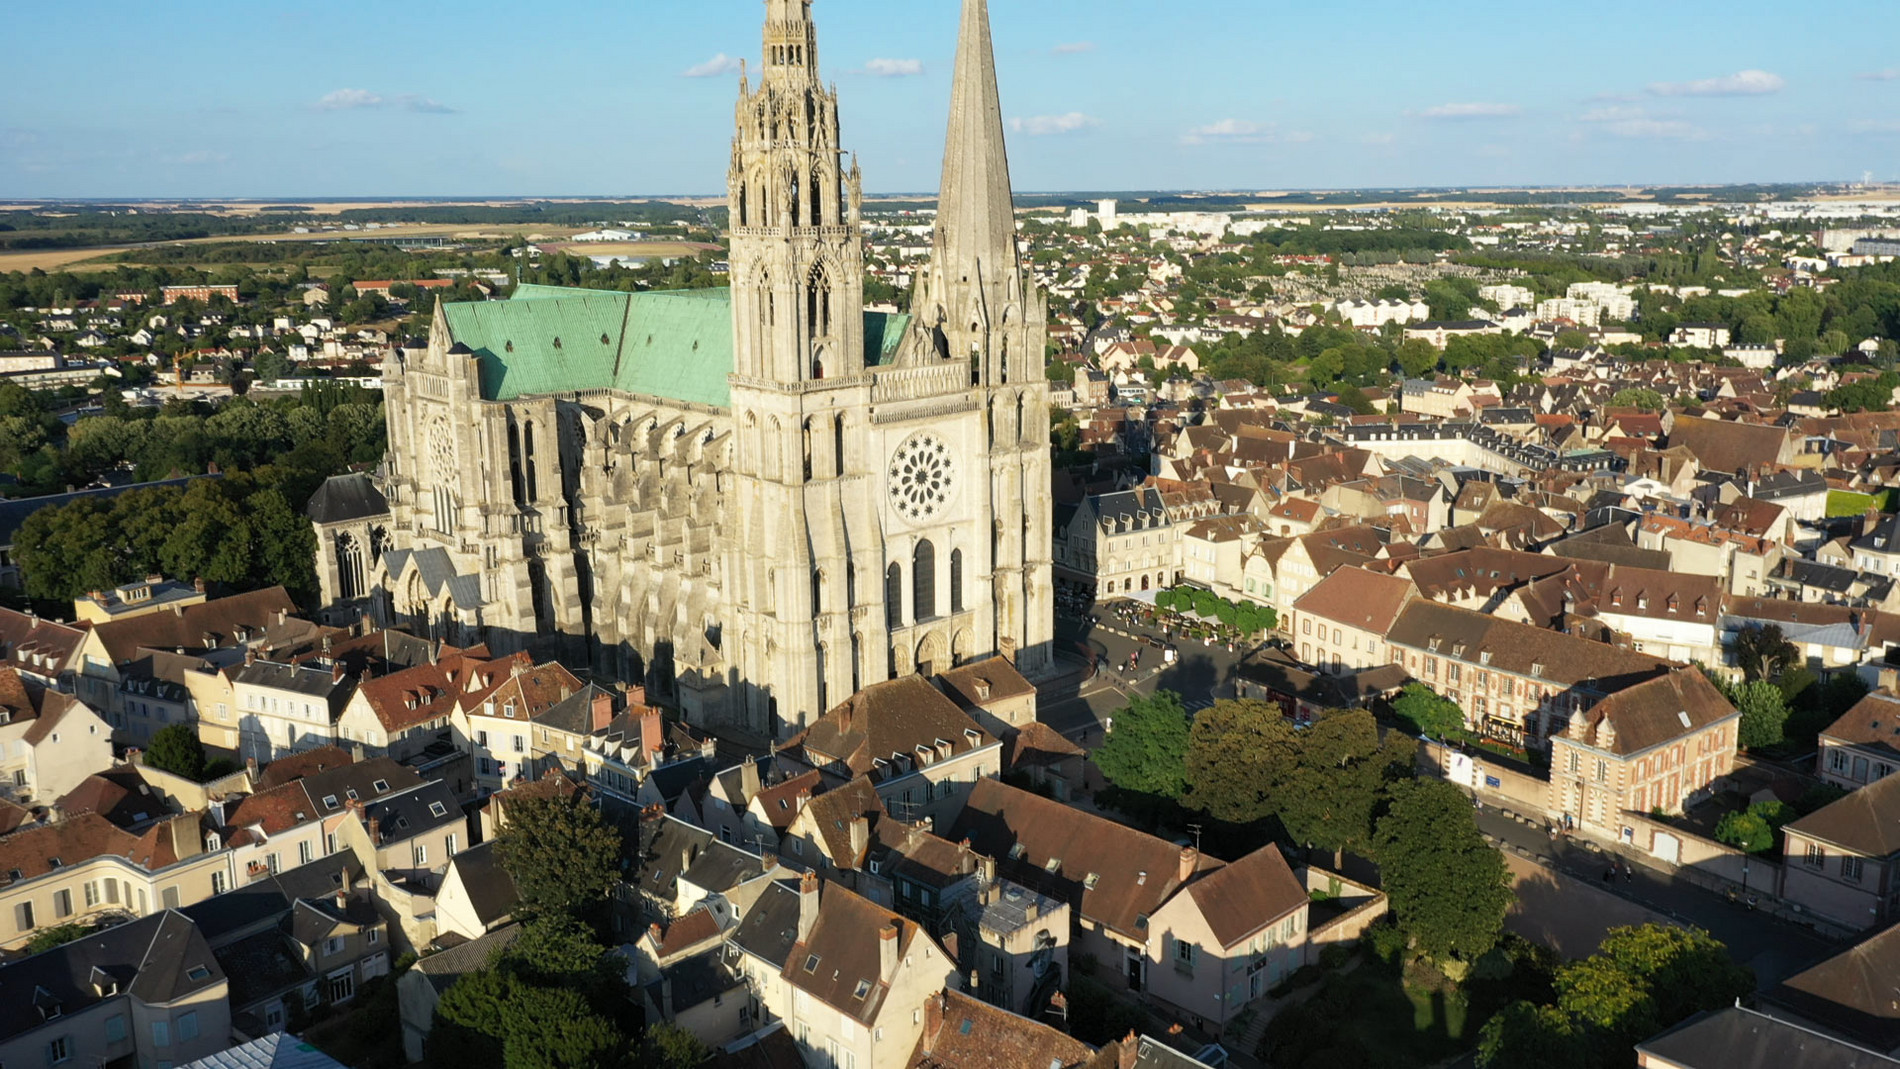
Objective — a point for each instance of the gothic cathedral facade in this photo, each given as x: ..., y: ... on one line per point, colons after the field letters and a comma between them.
x: 756, y: 500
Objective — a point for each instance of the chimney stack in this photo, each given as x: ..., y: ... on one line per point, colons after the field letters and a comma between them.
x: 652, y: 738
x: 336, y: 673
x: 1190, y: 858
x: 807, y: 905
x: 860, y: 838
x: 250, y: 768
x: 603, y: 710
x: 749, y: 778
x: 198, y: 584
x: 887, y: 952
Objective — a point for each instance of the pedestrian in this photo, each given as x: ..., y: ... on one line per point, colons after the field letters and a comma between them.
x: 1609, y: 875
x: 1629, y: 874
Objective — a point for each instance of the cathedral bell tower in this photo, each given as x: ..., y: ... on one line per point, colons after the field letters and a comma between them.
x: 797, y: 261
x: 800, y: 396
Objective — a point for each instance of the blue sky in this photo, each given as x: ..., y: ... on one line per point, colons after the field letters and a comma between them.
x: 222, y: 98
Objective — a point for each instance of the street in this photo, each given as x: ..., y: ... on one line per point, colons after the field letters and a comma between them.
x: 1563, y: 908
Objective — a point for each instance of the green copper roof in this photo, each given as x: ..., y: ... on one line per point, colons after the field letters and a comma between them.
x: 674, y: 344
x: 882, y: 332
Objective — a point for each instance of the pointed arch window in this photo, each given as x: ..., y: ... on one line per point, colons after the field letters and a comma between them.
x: 894, y: 595
x: 956, y: 581
x: 923, y: 581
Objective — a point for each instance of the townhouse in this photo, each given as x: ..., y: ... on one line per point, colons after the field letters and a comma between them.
x: 41, y: 650
x: 1842, y: 861
x: 85, y: 869
x: 1863, y: 744
x: 1148, y: 911
x: 284, y: 708
x: 1119, y: 542
x: 920, y: 751
x: 148, y: 994
x: 1516, y: 683
x: 302, y: 939
x: 1652, y: 746
x: 1341, y: 623
x: 49, y: 742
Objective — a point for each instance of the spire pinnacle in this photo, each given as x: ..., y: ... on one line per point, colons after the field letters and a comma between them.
x: 976, y: 219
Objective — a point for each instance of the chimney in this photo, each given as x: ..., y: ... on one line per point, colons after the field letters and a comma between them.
x: 860, y: 838
x: 636, y: 695
x: 250, y: 655
x: 652, y: 738
x: 989, y: 869
x: 749, y: 777
x: 250, y: 768
x: 375, y: 831
x: 336, y: 673
x: 343, y: 893
x: 807, y: 905
x: 1190, y: 858
x: 603, y: 710
x: 887, y: 952
x: 198, y: 584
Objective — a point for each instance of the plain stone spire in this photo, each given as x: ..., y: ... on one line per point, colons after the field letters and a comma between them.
x: 976, y: 219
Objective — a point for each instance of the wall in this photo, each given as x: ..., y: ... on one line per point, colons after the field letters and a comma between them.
x: 1362, y: 906
x: 1517, y: 790
x: 187, y: 796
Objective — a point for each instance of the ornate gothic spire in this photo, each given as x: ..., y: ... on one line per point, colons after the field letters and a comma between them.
x: 976, y: 219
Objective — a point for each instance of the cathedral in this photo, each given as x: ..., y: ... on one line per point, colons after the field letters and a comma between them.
x: 754, y: 501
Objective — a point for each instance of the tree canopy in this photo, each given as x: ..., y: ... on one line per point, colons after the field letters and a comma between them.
x: 175, y: 748
x: 1449, y: 888
x: 1146, y: 748
x: 565, y: 859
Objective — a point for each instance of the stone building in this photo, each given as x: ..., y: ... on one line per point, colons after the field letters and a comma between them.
x: 753, y: 501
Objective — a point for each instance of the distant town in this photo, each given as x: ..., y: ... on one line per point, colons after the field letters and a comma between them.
x: 796, y: 628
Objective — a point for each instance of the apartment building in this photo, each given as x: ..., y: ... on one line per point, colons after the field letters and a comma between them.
x: 49, y: 742
x: 1863, y: 744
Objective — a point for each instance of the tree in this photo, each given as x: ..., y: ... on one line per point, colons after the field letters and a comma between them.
x: 668, y: 1046
x: 564, y: 858
x: 1644, y: 979
x: 1417, y: 358
x: 176, y: 749
x: 1764, y: 652
x: 1240, y: 760
x: 1430, y: 714
x: 1526, y: 1034
x: 48, y: 938
x: 1764, y: 712
x: 1146, y: 749
x: 1745, y: 830
x: 1448, y: 888
x: 272, y: 366
x: 1639, y: 397
x: 1341, y: 777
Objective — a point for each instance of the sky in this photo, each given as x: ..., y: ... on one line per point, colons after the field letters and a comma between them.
x: 255, y: 98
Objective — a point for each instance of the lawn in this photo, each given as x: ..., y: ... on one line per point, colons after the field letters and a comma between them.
x: 1848, y: 503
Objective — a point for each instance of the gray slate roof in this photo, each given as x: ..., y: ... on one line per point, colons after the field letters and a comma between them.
x: 156, y: 959
x: 343, y: 498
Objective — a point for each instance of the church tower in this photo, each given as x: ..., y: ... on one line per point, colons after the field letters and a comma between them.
x: 800, y: 394
x: 975, y: 302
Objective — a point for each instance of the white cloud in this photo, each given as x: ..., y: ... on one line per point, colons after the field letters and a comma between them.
x: 355, y: 99
x: 1641, y: 124
x: 1741, y: 83
x: 1046, y: 125
x: 1471, y: 111
x: 1072, y: 48
x: 1377, y: 138
x: 895, y: 68
x: 1243, y: 132
x: 714, y: 67
x: 1891, y: 74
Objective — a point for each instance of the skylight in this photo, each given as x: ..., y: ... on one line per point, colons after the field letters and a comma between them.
x: 811, y: 963
x: 864, y: 988
x: 198, y: 972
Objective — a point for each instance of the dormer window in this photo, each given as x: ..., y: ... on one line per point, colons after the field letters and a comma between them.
x: 863, y: 989
x: 1016, y: 852
x: 1091, y: 880
x: 380, y: 786
x: 329, y: 801
x: 1054, y: 864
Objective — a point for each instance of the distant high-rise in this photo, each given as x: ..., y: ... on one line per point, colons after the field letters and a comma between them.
x: 754, y: 500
